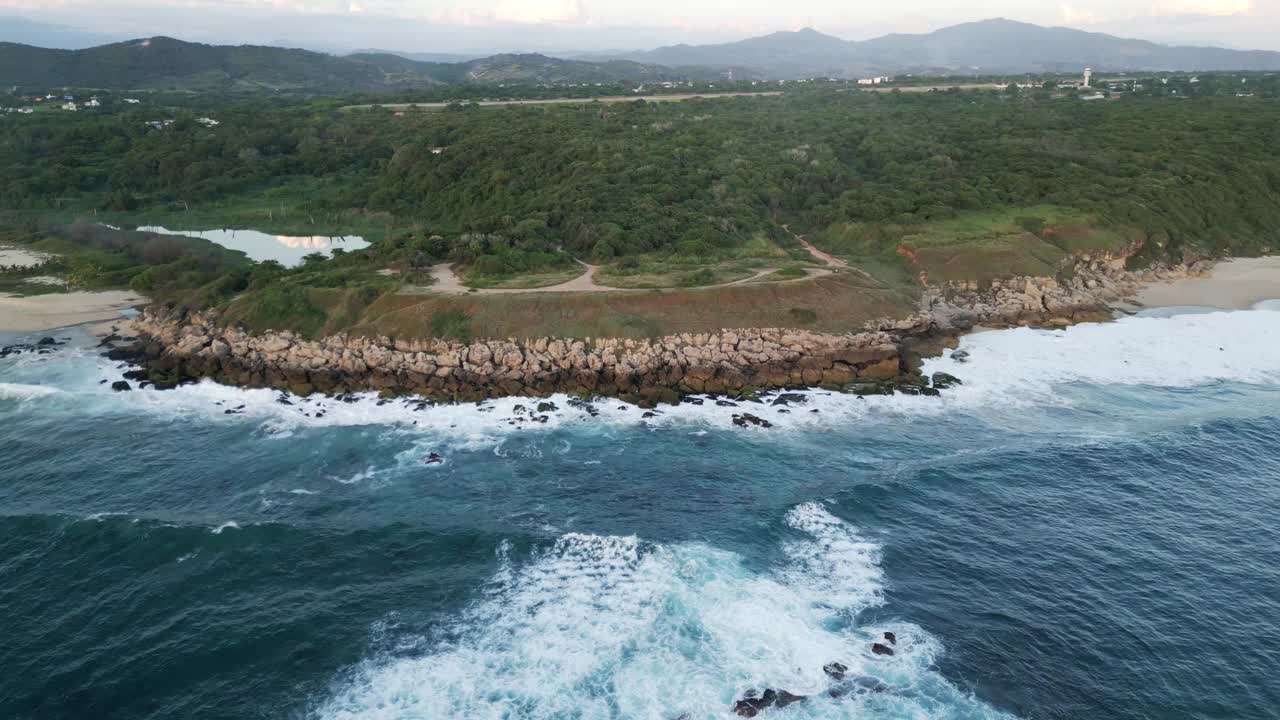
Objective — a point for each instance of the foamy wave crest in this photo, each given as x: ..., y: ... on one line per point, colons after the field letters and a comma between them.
x: 839, y: 566
x: 19, y: 391
x: 1024, y: 366
x: 613, y: 627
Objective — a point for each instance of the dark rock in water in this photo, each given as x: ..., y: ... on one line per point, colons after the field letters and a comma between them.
x: 785, y: 698
x: 815, y: 410
x: 783, y: 411
x: 121, y: 386
x: 893, y: 639
x: 960, y: 356
x: 546, y: 407
x: 942, y: 380
x: 694, y: 401
x: 746, y: 419
x: 103, y: 381
x: 835, y: 670
x: 880, y: 649
x: 726, y: 403
x: 47, y: 342
x: 910, y: 389
x: 284, y: 400
x: 649, y: 414
x: 542, y: 419
x: 752, y: 703
x: 434, y: 459
x: 518, y: 409
x: 868, y: 388
x: 930, y: 392
x: 790, y: 398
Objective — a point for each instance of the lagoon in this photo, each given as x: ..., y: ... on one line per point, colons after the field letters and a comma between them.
x: 259, y: 246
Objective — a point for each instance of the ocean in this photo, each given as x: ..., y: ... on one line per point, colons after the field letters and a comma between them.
x: 1085, y: 528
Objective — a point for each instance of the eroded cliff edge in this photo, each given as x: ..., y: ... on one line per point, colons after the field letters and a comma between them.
x: 176, y: 347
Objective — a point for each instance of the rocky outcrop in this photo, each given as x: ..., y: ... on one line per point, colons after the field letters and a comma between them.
x: 646, y: 370
x: 1083, y: 294
x: 179, y: 348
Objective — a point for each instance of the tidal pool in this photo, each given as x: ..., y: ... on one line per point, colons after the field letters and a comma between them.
x: 284, y: 249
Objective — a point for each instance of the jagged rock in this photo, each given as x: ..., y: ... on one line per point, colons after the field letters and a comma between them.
x: 746, y: 419
x: 881, y: 649
x: 943, y: 381
x: 835, y: 670
x: 789, y: 398
x: 434, y: 459
x: 752, y: 703
x: 892, y: 638
x: 960, y: 356
x: 121, y: 386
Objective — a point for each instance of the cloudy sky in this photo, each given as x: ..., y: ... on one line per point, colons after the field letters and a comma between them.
x: 550, y: 25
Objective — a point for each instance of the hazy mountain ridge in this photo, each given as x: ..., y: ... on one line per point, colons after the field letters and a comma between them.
x: 994, y: 46
x: 989, y: 46
x: 168, y: 64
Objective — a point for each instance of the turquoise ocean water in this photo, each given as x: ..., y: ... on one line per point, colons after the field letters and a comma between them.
x: 1086, y: 529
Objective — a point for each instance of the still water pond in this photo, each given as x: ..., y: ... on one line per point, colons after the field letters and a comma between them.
x: 284, y: 249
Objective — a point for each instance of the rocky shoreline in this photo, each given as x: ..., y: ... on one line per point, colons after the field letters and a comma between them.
x: 176, y: 347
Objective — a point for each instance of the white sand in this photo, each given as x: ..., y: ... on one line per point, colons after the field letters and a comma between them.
x: 21, y: 258
x: 1231, y: 285
x: 46, y: 312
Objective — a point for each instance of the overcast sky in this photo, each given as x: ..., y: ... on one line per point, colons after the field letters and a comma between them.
x: 550, y: 25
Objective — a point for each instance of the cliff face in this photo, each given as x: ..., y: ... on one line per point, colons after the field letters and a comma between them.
x: 660, y: 369
x: 731, y: 361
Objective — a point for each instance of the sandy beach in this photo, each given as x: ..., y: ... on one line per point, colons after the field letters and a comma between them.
x: 1231, y: 285
x: 46, y: 312
x: 21, y: 258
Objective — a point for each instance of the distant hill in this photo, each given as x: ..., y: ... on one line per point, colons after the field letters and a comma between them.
x: 167, y: 64
x: 32, y: 32
x: 988, y: 46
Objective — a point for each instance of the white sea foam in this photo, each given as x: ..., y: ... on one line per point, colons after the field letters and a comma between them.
x: 1026, y: 367
x: 19, y: 391
x: 1010, y: 368
x: 228, y: 525
x: 613, y: 627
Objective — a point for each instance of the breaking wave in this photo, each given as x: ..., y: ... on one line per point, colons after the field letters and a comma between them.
x: 615, y: 627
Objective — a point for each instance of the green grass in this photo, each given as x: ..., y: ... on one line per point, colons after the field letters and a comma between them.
x: 975, y: 246
x: 524, y: 282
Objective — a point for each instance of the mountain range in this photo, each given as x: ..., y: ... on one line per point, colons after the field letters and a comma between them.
x: 987, y: 47
x: 167, y: 64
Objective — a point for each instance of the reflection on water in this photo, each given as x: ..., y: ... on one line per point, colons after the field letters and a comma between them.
x: 284, y: 249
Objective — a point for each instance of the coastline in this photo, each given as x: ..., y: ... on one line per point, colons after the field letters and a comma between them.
x: 1235, y: 284
x: 177, y: 348
x: 36, y: 313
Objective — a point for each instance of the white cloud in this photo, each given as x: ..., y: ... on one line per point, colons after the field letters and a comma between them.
x: 539, y: 11
x: 1201, y: 7
x: 1072, y: 15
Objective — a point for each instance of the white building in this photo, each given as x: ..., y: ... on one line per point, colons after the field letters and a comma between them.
x: 93, y: 103
x: 208, y: 122
x: 71, y: 106
x: 132, y: 101
x: 1088, y: 77
x: 873, y: 80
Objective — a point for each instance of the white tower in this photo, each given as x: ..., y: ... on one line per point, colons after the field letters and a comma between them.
x: 1088, y: 76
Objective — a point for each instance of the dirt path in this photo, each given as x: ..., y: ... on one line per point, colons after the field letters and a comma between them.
x: 446, y: 281
x: 830, y: 260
